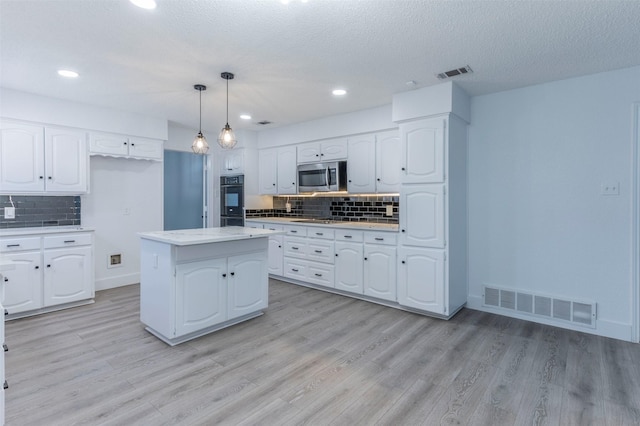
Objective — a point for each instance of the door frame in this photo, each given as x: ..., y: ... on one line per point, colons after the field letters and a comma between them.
x: 635, y: 223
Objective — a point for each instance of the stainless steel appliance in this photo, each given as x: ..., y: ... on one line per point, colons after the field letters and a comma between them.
x: 322, y: 177
x: 232, y: 200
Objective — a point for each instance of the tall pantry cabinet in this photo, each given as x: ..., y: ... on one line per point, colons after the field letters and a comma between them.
x: 432, y: 253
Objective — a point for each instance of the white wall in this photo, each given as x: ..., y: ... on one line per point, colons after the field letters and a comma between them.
x: 125, y: 198
x: 537, y: 221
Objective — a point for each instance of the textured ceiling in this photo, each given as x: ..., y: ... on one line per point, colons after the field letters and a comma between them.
x: 287, y: 58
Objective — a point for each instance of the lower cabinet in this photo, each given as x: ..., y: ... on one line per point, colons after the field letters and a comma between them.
x: 380, y: 272
x: 349, y: 267
x: 275, y: 254
x: 421, y: 279
x: 50, y: 270
x: 246, y: 291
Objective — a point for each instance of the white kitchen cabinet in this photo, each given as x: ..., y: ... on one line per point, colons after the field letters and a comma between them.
x: 380, y: 271
x: 423, y: 147
x: 422, y: 215
x: 349, y: 267
x: 232, y: 162
x: 361, y: 164
x: 276, y: 254
x: 246, y: 292
x: 36, y: 159
x: 22, y: 288
x: 277, y: 171
x: 201, y: 295
x: 329, y: 150
x: 421, y: 279
x: 125, y: 146
x: 374, y: 163
x: 52, y: 270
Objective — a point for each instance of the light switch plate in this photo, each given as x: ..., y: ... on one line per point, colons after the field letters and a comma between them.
x: 389, y: 211
x: 9, y: 212
x: 610, y: 188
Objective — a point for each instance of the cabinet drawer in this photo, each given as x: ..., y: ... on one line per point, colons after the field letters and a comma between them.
x: 295, y: 247
x: 272, y: 227
x: 67, y: 240
x: 321, y: 251
x: 322, y: 233
x: 386, y: 238
x: 251, y: 224
x: 298, y: 231
x: 19, y: 244
x: 295, y: 269
x: 321, y: 274
x: 348, y: 235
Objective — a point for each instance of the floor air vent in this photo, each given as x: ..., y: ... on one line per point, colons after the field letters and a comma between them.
x: 556, y: 308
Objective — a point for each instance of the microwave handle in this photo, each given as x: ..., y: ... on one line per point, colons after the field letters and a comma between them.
x: 328, y: 177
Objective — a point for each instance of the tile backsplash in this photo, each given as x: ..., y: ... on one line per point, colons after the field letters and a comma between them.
x: 348, y: 208
x: 38, y: 211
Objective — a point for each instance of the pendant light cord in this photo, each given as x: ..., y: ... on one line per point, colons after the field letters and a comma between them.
x: 227, y: 101
x: 200, y: 111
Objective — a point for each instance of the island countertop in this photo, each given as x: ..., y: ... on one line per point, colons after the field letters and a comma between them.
x: 187, y: 237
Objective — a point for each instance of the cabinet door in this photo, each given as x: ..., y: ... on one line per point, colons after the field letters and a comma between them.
x: 421, y: 279
x: 201, y: 295
x: 66, y: 160
x: 388, y: 155
x: 422, y: 215
x: 361, y: 165
x: 287, y: 170
x: 117, y: 145
x: 348, y: 269
x: 248, y: 284
x: 268, y: 171
x: 22, y: 287
x: 68, y: 275
x: 423, y: 151
x: 380, y: 272
x: 21, y: 158
x: 308, y: 152
x: 335, y: 149
x: 275, y: 254
x: 145, y: 148
x: 232, y: 162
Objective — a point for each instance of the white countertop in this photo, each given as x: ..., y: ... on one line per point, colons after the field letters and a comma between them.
x: 12, y: 232
x: 390, y: 227
x: 186, y: 237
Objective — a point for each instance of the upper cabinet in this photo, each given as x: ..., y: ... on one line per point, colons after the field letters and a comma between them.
x: 329, y: 150
x: 423, y: 151
x: 37, y: 159
x: 277, y: 171
x: 125, y: 146
x: 374, y: 163
x: 232, y: 162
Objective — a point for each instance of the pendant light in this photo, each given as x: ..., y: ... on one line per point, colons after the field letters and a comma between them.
x: 200, y: 145
x: 226, y: 138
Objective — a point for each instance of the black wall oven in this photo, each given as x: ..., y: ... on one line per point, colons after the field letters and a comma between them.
x: 232, y: 200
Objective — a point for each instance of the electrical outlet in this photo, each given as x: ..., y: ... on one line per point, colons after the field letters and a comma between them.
x: 389, y: 211
x: 610, y: 188
x: 9, y: 212
x: 126, y: 211
x: 288, y: 207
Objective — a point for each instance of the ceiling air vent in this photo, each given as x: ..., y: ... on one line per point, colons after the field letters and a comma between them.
x: 453, y: 73
x: 264, y: 122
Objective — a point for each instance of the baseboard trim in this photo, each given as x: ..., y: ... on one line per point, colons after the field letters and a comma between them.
x: 119, y: 281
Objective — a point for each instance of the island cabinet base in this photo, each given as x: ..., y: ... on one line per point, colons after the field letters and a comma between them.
x: 187, y: 291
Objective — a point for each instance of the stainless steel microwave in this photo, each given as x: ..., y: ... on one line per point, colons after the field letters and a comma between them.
x: 322, y: 177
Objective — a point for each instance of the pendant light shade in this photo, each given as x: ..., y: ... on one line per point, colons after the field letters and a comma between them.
x: 226, y: 138
x: 200, y: 145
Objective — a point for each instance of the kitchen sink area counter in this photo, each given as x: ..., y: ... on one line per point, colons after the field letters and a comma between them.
x: 327, y: 223
x: 196, y: 281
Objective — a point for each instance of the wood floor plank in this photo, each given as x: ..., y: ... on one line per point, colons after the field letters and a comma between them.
x: 314, y: 358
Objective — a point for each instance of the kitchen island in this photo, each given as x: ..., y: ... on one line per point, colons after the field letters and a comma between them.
x: 196, y: 281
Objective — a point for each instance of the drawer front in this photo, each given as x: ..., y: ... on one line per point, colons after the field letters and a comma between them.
x: 296, y: 231
x: 295, y: 269
x: 386, y: 238
x: 321, y: 233
x: 272, y: 227
x: 321, y: 251
x: 348, y: 235
x: 67, y: 240
x: 321, y: 274
x: 295, y: 247
x: 252, y: 224
x: 19, y: 244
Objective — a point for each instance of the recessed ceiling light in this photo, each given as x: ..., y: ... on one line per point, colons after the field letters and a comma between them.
x: 144, y: 4
x: 245, y: 116
x: 68, y: 73
x: 339, y: 92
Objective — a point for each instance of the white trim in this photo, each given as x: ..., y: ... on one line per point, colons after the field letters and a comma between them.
x: 635, y: 225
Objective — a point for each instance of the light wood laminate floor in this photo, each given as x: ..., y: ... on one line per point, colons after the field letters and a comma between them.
x: 315, y: 358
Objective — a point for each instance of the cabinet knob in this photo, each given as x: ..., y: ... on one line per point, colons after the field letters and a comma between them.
x: 321, y: 155
x: 125, y: 143
x: 5, y: 385
x: 336, y: 254
x: 48, y: 266
x: 403, y: 169
x: 5, y: 347
x: 293, y: 183
x: 41, y: 177
x: 366, y: 258
x: 133, y: 144
x: 50, y: 178
x: 279, y: 246
x: 403, y: 230
x: 37, y: 266
x: 294, y: 269
x: 6, y: 280
x: 378, y: 179
x: 317, y: 155
x: 273, y: 184
x: 318, y: 251
x: 318, y: 275
x: 224, y: 275
x: 233, y: 273
x: 349, y: 180
x: 6, y: 312
x: 403, y: 262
